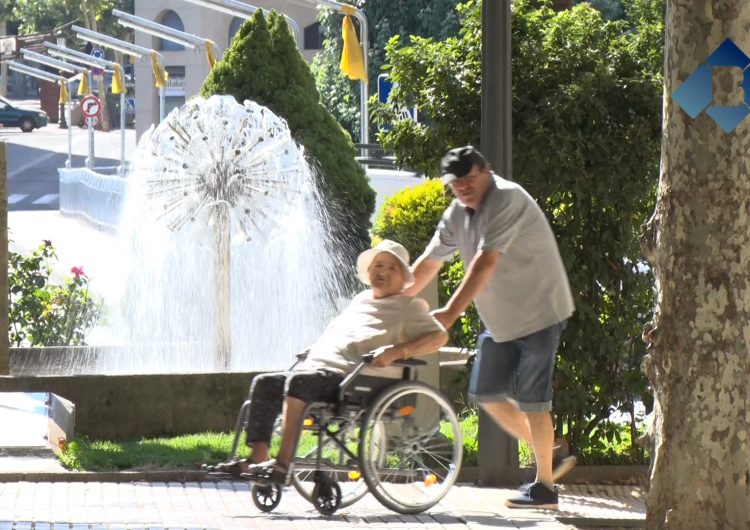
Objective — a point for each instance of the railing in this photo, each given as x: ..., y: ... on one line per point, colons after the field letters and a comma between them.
x: 96, y: 197
x: 373, y: 155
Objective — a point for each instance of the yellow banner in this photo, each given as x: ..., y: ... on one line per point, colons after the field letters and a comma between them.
x: 352, y: 62
x: 83, y: 88
x: 64, y: 97
x: 212, y: 53
x: 160, y: 76
x: 118, y: 82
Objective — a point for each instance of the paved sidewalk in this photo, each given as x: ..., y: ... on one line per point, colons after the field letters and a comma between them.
x: 228, y: 505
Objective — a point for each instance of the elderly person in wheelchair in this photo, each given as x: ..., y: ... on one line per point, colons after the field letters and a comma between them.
x: 381, y: 319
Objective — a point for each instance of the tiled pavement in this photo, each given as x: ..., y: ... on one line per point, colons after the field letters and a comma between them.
x: 228, y: 505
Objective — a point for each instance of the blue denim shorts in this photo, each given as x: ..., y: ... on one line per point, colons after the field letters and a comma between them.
x: 520, y: 369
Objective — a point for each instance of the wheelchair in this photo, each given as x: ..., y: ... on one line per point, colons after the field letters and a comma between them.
x: 396, y: 438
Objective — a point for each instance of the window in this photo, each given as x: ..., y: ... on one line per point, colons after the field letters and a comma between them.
x: 234, y: 27
x: 172, y: 20
x: 174, y: 93
x: 314, y: 37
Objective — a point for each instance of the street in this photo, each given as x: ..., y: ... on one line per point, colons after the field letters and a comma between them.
x: 34, y: 158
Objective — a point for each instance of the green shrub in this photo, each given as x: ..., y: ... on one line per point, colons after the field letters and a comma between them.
x: 263, y: 64
x: 43, y: 313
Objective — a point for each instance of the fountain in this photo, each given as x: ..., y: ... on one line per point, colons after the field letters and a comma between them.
x: 227, y: 242
x: 230, y: 269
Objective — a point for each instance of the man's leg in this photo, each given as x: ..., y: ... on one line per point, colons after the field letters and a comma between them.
x: 542, y: 441
x: 507, y: 415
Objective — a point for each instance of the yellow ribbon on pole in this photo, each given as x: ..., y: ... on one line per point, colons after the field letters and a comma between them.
x: 118, y: 81
x: 83, y: 87
x: 160, y: 76
x: 64, y: 97
x: 212, y: 53
x: 352, y: 62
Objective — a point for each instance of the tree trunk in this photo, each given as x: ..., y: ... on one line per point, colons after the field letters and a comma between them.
x: 698, y: 242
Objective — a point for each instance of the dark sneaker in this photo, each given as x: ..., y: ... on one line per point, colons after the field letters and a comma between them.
x: 537, y: 496
x: 561, y: 465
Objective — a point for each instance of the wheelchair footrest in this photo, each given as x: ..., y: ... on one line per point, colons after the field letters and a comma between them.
x: 267, y: 475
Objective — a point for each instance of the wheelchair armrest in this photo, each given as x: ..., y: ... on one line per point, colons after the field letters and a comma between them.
x: 410, y: 362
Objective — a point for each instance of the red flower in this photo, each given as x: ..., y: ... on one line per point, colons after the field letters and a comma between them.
x: 78, y: 271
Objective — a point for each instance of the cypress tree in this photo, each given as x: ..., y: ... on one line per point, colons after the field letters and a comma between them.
x: 263, y: 64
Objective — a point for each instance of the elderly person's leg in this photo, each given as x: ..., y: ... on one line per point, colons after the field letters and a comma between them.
x: 290, y: 427
x: 266, y: 398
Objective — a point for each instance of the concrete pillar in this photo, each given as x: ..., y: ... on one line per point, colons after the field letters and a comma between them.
x: 4, y: 309
x: 498, y: 452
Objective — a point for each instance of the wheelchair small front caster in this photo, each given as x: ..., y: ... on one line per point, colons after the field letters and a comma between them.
x: 326, y: 496
x: 266, y: 497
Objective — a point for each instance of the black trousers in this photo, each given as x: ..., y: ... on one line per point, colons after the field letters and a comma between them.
x: 268, y: 391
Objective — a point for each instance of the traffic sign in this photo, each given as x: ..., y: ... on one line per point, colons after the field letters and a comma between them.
x: 384, y: 88
x: 90, y: 106
x: 99, y: 54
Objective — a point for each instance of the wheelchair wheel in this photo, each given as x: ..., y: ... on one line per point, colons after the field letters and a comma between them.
x: 351, y: 483
x: 421, y: 456
x: 266, y: 497
x: 326, y: 494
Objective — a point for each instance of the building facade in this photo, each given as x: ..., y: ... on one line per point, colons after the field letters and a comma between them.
x: 188, y: 68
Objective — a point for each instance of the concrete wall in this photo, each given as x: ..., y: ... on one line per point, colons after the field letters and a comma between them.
x: 111, y: 407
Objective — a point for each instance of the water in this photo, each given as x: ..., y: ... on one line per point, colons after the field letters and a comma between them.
x: 217, y: 178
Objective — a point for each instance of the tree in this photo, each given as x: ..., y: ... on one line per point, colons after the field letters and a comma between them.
x: 697, y: 242
x: 586, y: 132
x: 427, y: 18
x: 264, y: 65
x: 40, y: 16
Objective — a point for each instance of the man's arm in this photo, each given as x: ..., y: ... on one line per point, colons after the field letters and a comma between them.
x: 476, y: 277
x: 422, y: 345
x: 424, y: 270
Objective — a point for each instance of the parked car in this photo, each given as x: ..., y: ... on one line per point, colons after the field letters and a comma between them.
x: 26, y: 119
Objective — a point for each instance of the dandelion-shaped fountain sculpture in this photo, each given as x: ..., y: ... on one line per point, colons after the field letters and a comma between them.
x: 230, y: 166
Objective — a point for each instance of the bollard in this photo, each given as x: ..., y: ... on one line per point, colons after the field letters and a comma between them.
x: 4, y: 309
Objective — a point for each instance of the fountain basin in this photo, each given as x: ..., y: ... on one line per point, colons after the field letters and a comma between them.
x: 126, y: 407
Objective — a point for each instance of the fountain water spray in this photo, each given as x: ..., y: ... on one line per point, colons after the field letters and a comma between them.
x: 223, y: 183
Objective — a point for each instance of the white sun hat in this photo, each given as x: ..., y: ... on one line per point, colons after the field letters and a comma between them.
x: 395, y: 249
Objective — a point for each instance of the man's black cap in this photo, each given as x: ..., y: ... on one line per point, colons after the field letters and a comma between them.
x: 458, y: 162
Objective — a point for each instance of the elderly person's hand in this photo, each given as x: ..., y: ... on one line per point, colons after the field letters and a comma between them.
x: 385, y: 355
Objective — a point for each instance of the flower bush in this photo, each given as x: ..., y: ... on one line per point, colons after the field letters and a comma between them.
x: 43, y: 313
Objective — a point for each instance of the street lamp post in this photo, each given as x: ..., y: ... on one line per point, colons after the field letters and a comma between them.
x: 61, y: 40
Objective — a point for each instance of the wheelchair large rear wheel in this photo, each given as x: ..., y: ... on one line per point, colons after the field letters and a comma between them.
x: 411, y: 447
x: 335, y: 462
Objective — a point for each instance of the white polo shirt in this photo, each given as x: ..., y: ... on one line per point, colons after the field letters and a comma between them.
x: 528, y: 290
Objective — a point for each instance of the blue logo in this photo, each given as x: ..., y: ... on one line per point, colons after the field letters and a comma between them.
x: 696, y: 93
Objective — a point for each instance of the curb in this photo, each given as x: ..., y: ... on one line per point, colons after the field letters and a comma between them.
x: 621, y: 475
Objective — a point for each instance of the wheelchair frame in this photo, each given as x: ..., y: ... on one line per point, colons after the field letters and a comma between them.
x: 408, y: 445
